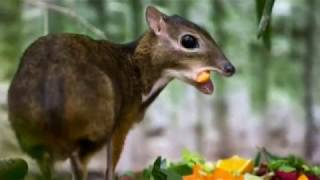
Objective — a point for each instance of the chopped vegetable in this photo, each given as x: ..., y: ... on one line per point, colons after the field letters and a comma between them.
x: 235, y: 164
x: 221, y: 174
x: 303, y: 177
x: 265, y: 166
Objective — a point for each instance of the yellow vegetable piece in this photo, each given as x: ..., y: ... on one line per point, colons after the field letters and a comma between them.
x: 235, y: 164
x: 303, y: 177
x: 220, y: 174
x: 217, y: 174
x: 203, y: 77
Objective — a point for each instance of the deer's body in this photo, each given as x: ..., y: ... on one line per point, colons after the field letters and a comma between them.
x: 71, y: 94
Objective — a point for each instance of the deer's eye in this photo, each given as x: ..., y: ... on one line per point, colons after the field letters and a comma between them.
x: 189, y: 42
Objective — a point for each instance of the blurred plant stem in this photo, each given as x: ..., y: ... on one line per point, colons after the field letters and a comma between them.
x: 308, y: 63
x: 219, y: 103
x: 11, y: 35
x: 263, y: 11
x: 101, y: 10
x: 70, y: 13
x: 265, y: 18
x: 199, y: 126
x: 260, y: 66
x: 136, y: 9
x: 259, y: 77
x: 55, y: 20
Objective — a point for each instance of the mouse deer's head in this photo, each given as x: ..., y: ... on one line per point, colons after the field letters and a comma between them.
x: 185, y: 51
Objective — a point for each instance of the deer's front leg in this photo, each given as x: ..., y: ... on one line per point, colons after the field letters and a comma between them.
x: 114, y: 150
x: 110, y: 168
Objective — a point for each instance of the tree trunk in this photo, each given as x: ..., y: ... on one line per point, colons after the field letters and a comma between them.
x: 308, y: 63
x: 220, y: 104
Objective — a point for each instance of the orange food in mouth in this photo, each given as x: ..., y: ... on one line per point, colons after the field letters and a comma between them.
x: 203, y: 77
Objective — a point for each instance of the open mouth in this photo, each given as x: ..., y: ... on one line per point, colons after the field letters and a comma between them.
x: 203, y: 82
x: 199, y: 77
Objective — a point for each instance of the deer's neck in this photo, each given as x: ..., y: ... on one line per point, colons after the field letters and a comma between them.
x: 151, y: 76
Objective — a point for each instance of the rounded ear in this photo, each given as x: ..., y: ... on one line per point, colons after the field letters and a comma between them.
x: 155, y: 20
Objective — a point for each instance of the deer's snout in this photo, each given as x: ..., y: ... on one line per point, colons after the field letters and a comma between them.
x: 228, y: 69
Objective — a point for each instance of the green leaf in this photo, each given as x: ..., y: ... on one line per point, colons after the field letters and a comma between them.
x: 269, y: 156
x: 13, y: 169
x: 265, y: 17
x: 295, y: 161
x: 181, y: 168
x: 208, y: 167
x: 171, y: 175
x: 276, y: 164
x: 146, y: 175
x: 316, y: 170
x: 286, y: 164
x: 252, y: 177
x: 156, y: 170
x: 257, y: 159
x: 264, y: 12
x: 160, y: 171
x: 286, y: 168
x: 191, y: 158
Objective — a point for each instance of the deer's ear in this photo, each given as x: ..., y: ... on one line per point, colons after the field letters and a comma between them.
x: 156, y: 20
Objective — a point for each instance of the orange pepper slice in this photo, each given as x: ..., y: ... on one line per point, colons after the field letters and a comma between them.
x: 227, y: 169
x: 220, y: 174
x: 303, y: 177
x: 235, y: 164
x: 197, y: 174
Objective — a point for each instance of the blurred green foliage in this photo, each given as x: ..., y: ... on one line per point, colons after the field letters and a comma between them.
x: 13, y: 169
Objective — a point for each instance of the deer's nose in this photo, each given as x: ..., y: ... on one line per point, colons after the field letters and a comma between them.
x: 229, y: 69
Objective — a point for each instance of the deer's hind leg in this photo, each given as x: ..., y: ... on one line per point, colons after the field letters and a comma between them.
x: 78, y: 166
x: 80, y: 159
x: 45, y: 163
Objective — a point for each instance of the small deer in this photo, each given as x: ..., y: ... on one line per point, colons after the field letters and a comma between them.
x: 71, y: 95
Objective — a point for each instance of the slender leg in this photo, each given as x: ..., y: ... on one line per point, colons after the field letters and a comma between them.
x: 109, y: 170
x: 46, y: 166
x: 118, y: 141
x: 80, y: 159
x: 114, y: 149
x: 78, y: 167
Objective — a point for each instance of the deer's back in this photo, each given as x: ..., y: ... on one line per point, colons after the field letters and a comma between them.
x: 59, y: 97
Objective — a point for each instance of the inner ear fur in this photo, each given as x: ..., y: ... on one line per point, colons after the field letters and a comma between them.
x: 155, y: 20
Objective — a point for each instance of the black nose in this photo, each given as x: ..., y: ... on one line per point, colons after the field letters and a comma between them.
x: 229, y: 69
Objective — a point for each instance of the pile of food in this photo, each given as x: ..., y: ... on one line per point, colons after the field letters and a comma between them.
x: 265, y: 166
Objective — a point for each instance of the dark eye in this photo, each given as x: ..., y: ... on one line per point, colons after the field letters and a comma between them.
x: 189, y: 42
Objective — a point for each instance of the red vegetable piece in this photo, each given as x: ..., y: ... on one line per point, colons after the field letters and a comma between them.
x: 313, y: 177
x: 280, y: 175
